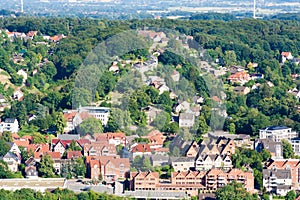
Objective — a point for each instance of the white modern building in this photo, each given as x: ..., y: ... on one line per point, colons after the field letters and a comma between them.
x: 100, y: 113
x: 295, y: 142
x: 9, y: 124
x: 277, y: 181
x: 277, y: 133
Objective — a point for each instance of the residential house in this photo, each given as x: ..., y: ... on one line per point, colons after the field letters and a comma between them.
x: 275, y: 148
x: 286, y: 56
x: 9, y: 124
x: 22, y: 73
x: 192, y: 151
x: 236, y: 69
x: 155, y: 36
x: 198, y: 100
x: 183, y: 164
x: 156, y: 139
x: 206, y: 162
x: 175, y: 76
x: 277, y: 181
x: 141, y: 150
x: 239, y: 77
x: 13, y: 148
x: 112, y: 138
x: 12, y: 160
x: 38, y: 149
x: 289, y: 164
x: 57, y: 38
x: 110, y: 168
x: 30, y: 168
x: 114, y: 68
x: 69, y: 117
x: 74, y: 154
x: 163, y: 88
x: 277, y: 133
x: 102, y: 148
x: 61, y: 146
x: 159, y: 160
x: 186, y: 119
x: 183, y: 106
x: 18, y: 95
x: 241, y: 90
x: 31, y: 34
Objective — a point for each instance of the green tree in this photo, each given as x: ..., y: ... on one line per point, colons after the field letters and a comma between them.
x: 4, y: 147
x: 287, y: 148
x: 6, y: 136
x: 79, y: 167
x: 45, y: 167
x: 73, y: 147
x: 90, y: 126
x: 291, y: 195
x: 233, y: 191
x: 60, y: 122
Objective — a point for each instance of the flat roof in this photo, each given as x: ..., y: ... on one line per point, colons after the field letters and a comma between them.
x: 32, y: 183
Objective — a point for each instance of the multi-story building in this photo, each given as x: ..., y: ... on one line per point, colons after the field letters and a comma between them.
x: 183, y: 164
x: 217, y: 178
x: 277, y: 133
x: 278, y: 181
x: 295, y: 142
x: 109, y: 168
x: 191, y: 182
x: 100, y: 149
x: 275, y: 148
x: 100, y: 113
x: 210, y: 161
x: 289, y: 164
x: 9, y: 124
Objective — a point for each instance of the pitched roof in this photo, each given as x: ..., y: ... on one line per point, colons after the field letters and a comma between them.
x: 141, y: 148
x: 41, y: 148
x: 53, y: 155
x: 68, y: 136
x: 285, y: 54
x: 74, y: 154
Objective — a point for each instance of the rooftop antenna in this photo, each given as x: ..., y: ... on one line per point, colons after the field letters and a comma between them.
x: 22, y: 6
x: 254, y: 9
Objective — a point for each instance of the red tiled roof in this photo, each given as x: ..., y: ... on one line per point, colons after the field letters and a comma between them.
x: 69, y: 116
x: 141, y: 148
x: 285, y: 54
x: 74, y: 154
x: 38, y: 148
x: 53, y: 155
x: 22, y: 143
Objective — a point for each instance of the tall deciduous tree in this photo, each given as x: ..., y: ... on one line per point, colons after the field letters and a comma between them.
x: 288, y: 151
x: 45, y: 167
x: 90, y: 126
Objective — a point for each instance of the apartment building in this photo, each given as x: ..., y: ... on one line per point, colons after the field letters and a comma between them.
x: 277, y: 181
x: 191, y: 182
x: 277, y: 133
x: 289, y: 164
